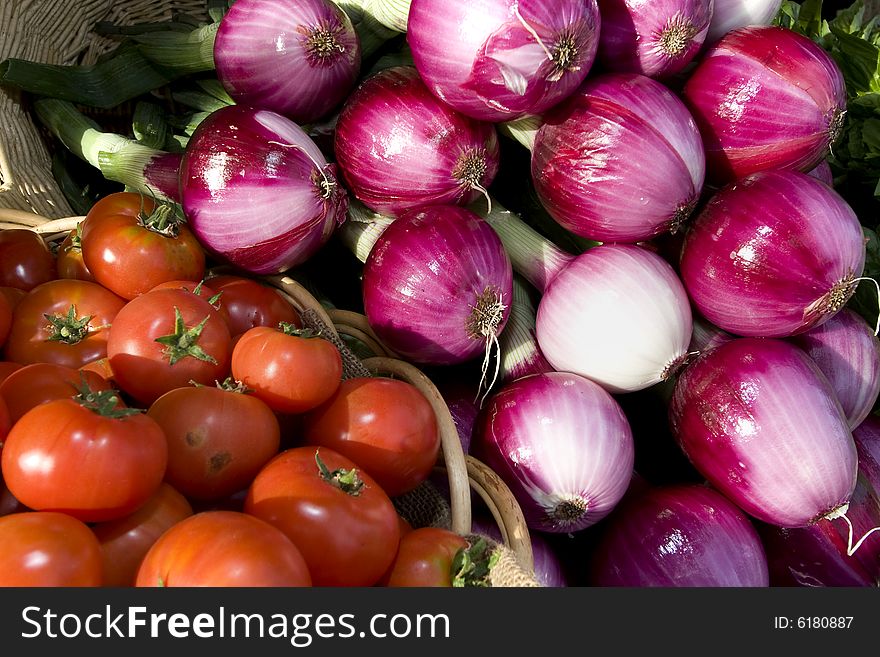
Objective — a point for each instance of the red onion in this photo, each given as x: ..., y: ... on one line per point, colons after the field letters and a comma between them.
x: 399, y: 147
x: 706, y: 335
x: 621, y: 160
x: 299, y: 58
x: 765, y: 98
x: 758, y: 419
x: 729, y: 15
x: 496, y: 60
x: 758, y: 261
x: 867, y: 437
x: 549, y: 570
x: 657, y: 38
x: 437, y: 285
x: 848, y: 353
x: 679, y: 536
x: 822, y: 171
x: 562, y: 445
x: 616, y: 314
x: 257, y: 191
x: 459, y: 396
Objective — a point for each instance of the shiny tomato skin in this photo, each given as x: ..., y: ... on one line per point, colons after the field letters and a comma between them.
x: 7, y: 367
x: 25, y: 260
x: 101, y: 367
x: 425, y: 558
x: 43, y: 549
x: 29, y: 340
x: 201, y: 290
x: 6, y: 308
x: 218, y: 440
x: 69, y: 260
x: 32, y: 385
x: 346, y: 540
x: 249, y: 303
x: 125, y: 542
x: 292, y: 374
x: 141, y: 365
x: 223, y: 548
x: 5, y: 422
x: 128, y: 258
x: 384, y: 425
x: 61, y: 456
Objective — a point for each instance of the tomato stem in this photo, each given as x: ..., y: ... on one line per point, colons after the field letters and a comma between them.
x: 231, y: 385
x: 289, y: 328
x: 472, y: 565
x: 165, y: 220
x: 103, y: 402
x: 182, y: 342
x: 347, y: 481
x: 68, y: 328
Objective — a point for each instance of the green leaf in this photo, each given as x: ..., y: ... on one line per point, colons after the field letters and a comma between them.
x: 865, y: 301
x: 859, y: 61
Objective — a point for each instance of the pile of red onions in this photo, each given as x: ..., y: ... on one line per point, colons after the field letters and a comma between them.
x: 848, y: 353
x: 299, y: 58
x: 563, y: 446
x: 399, y: 147
x: 257, y: 191
x: 617, y: 313
x: 759, y: 260
x: 657, y: 38
x: 496, y: 60
x: 758, y: 419
x: 621, y: 160
x: 679, y: 536
x: 739, y: 89
x: 437, y: 285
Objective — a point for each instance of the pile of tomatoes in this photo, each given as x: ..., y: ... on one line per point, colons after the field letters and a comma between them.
x: 162, y: 426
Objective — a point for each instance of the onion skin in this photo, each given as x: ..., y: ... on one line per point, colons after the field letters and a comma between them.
x: 616, y: 314
x: 867, y: 437
x: 299, y: 58
x: 848, y: 353
x: 758, y: 260
x: 257, y: 191
x: 822, y: 171
x: 619, y: 161
x: 423, y: 278
x: 657, y: 38
x: 759, y: 420
x: 479, y: 57
x: 399, y: 147
x: 728, y: 15
x: 735, y: 94
x: 563, y: 446
x: 679, y: 536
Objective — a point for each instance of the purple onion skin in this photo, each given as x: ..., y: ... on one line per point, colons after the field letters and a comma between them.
x: 867, y: 437
x: 549, y: 570
x: 758, y: 419
x: 657, y: 38
x: 822, y: 171
x: 563, y: 446
x: 816, y: 555
x: 758, y: 260
x: 736, y: 92
x: 479, y: 57
x: 399, y: 147
x: 257, y: 192
x: 679, y: 536
x: 162, y: 174
x: 459, y: 398
x: 707, y: 336
x: 619, y: 161
x: 424, y: 278
x: 729, y: 15
x: 848, y: 353
x: 299, y: 58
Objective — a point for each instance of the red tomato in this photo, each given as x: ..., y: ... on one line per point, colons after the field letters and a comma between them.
x: 26, y: 260
x: 165, y: 339
x: 129, y: 258
x: 101, y: 367
x: 425, y: 558
x: 69, y: 258
x: 198, y: 288
x: 64, y: 321
x: 249, y: 303
x: 126, y: 541
x: 291, y: 373
x: 342, y: 521
x: 8, y: 367
x: 39, y: 383
x: 5, y: 421
x: 48, y: 549
x: 223, y: 548
x: 84, y: 458
x: 5, y: 318
x: 217, y: 439
x: 386, y: 426
x: 8, y: 503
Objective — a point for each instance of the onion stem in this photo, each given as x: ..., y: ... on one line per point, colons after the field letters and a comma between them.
x: 118, y: 158
x: 393, y: 14
x: 362, y: 230
x: 181, y: 52
x: 531, y: 254
x: 148, y: 125
x: 520, y: 354
x: 523, y: 130
x: 371, y: 32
